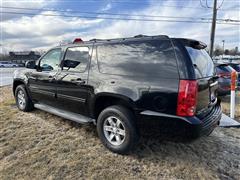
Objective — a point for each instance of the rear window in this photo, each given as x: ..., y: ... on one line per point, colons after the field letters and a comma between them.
x: 145, y: 58
x: 202, y: 62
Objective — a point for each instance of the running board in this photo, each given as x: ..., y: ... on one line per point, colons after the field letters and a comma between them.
x: 65, y: 114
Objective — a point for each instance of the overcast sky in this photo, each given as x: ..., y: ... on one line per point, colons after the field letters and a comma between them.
x: 33, y: 32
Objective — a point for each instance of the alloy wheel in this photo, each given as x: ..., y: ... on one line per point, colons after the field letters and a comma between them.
x: 21, y: 99
x: 114, y: 130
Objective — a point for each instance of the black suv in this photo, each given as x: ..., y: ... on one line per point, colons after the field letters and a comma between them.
x: 115, y: 83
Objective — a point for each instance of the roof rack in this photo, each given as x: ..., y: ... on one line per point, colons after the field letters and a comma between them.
x: 128, y: 38
x: 140, y: 35
x: 95, y: 40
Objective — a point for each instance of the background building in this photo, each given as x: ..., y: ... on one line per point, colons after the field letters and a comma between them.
x: 23, y: 56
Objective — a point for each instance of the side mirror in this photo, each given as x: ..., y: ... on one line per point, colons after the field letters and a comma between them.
x: 70, y: 63
x: 30, y: 64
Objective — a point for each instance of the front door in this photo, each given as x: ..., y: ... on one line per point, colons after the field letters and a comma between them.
x: 72, y: 87
x: 42, y: 81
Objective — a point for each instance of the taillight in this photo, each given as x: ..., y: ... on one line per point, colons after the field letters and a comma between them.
x: 187, y: 97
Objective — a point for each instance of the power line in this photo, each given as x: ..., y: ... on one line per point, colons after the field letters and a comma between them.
x: 208, y: 7
x: 220, y: 5
x: 116, y: 18
x: 146, y: 3
x: 117, y: 14
x: 96, y: 13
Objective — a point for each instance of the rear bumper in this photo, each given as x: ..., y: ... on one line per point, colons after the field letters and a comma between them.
x: 210, y: 120
x: 194, y: 126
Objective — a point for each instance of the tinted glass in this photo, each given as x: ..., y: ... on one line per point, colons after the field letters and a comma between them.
x: 76, y: 59
x: 224, y: 68
x: 236, y: 67
x: 145, y: 58
x: 51, y: 60
x: 202, y: 62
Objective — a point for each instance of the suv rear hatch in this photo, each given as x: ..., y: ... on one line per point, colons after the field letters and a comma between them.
x: 204, y: 74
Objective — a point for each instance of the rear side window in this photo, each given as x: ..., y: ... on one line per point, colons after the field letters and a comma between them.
x: 76, y: 59
x: 202, y: 62
x: 145, y: 58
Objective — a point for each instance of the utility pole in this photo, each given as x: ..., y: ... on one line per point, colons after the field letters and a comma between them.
x: 223, y: 41
x: 213, y: 27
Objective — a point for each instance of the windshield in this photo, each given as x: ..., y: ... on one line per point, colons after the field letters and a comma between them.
x: 202, y: 62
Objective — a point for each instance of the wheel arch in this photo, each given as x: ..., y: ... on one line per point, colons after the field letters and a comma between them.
x: 104, y: 100
x: 16, y: 83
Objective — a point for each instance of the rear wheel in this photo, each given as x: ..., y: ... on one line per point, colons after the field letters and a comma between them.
x: 23, y: 101
x: 116, y: 129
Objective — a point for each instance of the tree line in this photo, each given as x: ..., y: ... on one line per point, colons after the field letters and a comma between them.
x: 220, y: 51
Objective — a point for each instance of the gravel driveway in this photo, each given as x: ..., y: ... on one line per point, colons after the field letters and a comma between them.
x: 38, y: 145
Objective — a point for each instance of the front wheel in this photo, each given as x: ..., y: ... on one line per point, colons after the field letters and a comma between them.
x: 117, y: 130
x: 23, y: 101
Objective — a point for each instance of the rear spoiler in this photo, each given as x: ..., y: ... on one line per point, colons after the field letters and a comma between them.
x: 193, y: 43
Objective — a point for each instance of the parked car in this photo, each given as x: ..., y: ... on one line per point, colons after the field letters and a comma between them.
x: 224, y: 73
x: 21, y: 65
x: 7, y: 64
x: 236, y: 67
x: 117, y: 83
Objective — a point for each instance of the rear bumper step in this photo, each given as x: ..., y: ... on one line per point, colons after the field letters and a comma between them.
x: 210, y: 121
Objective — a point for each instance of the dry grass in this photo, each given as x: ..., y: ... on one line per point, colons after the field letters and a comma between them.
x: 38, y: 145
x: 226, y: 105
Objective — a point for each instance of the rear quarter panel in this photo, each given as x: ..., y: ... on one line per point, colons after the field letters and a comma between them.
x: 145, y: 93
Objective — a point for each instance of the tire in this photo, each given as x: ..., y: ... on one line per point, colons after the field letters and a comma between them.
x: 24, y: 103
x: 116, y: 130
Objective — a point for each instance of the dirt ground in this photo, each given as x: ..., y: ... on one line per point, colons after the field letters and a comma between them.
x: 38, y: 145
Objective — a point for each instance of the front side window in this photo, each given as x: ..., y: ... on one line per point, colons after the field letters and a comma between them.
x: 76, y: 59
x: 51, y: 60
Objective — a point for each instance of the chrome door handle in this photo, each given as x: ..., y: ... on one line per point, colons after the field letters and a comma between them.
x: 78, y: 81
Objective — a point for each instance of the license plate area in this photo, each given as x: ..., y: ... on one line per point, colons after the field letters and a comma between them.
x: 213, y: 93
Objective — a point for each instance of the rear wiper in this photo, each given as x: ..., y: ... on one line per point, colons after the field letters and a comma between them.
x: 196, y: 67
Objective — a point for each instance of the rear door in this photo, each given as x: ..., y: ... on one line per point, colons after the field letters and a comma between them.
x: 72, y: 87
x: 205, y: 75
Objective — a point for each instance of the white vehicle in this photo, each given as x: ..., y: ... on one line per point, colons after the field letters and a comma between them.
x: 7, y: 64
